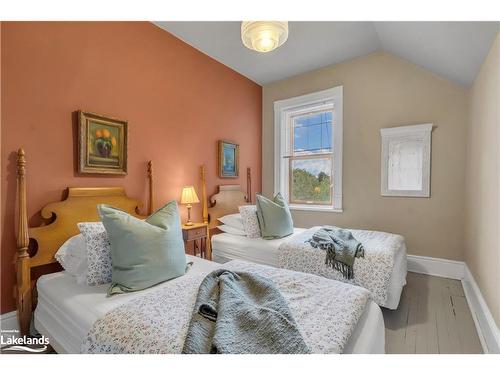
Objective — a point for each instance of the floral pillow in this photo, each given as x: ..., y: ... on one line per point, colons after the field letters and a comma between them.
x: 250, y: 221
x: 99, y: 269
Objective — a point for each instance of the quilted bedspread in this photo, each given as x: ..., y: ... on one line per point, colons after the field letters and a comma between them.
x: 326, y: 311
x: 372, y: 272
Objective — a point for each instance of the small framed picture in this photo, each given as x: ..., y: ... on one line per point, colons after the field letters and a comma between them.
x: 228, y: 159
x: 102, y: 143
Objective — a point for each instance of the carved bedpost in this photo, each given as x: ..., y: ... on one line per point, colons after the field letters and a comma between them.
x: 249, y: 185
x: 151, y: 205
x: 204, y: 195
x: 23, y: 269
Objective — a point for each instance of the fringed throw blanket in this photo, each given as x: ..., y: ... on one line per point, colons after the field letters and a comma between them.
x: 242, y: 313
x: 157, y: 321
x: 341, y: 248
x: 372, y: 272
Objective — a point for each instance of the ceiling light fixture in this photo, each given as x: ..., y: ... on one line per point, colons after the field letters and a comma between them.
x: 264, y: 36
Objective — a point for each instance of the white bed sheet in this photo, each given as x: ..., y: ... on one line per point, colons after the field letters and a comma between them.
x: 226, y: 247
x: 66, y: 311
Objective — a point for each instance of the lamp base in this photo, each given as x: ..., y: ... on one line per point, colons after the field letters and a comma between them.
x: 189, y: 222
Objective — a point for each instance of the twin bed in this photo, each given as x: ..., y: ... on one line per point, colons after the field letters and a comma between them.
x: 333, y: 316
x: 72, y: 317
x: 227, y: 247
x: 382, y: 270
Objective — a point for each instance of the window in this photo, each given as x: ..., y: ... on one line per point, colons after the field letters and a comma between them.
x: 308, y: 150
x: 311, y: 158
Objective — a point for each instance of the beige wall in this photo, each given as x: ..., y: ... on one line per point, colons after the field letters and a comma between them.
x: 381, y: 91
x: 482, y: 253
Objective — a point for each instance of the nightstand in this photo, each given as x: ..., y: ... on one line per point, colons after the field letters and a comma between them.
x: 196, y: 240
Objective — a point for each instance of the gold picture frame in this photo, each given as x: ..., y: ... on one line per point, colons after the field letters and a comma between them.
x: 102, y: 144
x: 228, y: 159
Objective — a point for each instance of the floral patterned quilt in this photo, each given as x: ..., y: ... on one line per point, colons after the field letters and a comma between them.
x: 372, y: 272
x: 327, y: 312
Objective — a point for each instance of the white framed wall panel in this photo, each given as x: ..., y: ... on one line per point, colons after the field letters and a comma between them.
x: 406, y: 161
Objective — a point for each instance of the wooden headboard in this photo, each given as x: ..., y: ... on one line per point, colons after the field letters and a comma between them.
x: 79, y: 206
x: 225, y: 202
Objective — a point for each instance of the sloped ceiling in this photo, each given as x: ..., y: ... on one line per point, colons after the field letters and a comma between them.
x: 453, y: 50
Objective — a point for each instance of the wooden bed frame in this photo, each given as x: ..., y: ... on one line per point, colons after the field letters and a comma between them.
x: 225, y: 202
x: 80, y: 206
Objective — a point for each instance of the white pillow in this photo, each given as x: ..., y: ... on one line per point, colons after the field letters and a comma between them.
x: 250, y: 221
x: 72, y: 255
x: 233, y: 220
x: 231, y: 230
x: 99, y: 269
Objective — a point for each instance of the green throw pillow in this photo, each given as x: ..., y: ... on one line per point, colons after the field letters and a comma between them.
x: 274, y: 216
x: 144, y: 252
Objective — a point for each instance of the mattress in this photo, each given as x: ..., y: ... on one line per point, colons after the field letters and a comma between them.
x: 226, y: 247
x: 66, y: 312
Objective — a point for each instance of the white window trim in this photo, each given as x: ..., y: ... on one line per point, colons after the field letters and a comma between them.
x: 282, y: 108
x: 417, y: 133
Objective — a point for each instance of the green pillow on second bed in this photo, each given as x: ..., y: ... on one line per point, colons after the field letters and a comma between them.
x: 144, y: 252
x: 274, y: 216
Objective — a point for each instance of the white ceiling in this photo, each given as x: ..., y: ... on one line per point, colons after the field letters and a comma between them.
x: 454, y: 50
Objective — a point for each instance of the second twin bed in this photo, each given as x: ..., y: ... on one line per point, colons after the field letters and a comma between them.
x: 381, y: 270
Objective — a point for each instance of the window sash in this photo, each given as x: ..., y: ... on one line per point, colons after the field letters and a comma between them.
x: 291, y: 125
x: 326, y: 156
x: 293, y: 155
x: 284, y: 110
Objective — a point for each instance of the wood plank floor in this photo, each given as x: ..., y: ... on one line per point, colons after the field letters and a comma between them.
x: 433, y: 317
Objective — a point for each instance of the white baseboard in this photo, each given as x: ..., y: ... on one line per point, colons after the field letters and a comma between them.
x: 452, y: 269
x: 8, y: 325
x: 485, y: 324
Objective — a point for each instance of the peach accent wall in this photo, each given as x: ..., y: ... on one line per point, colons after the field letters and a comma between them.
x: 177, y: 100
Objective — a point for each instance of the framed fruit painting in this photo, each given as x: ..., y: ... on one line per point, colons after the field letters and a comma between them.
x: 102, y: 143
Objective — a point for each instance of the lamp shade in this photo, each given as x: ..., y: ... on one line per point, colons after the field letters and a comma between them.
x: 264, y: 36
x: 189, y: 195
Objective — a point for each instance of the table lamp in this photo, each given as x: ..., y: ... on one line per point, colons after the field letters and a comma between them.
x: 188, y: 197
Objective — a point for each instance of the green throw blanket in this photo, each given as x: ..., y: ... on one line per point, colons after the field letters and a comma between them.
x: 241, y: 313
x: 341, y: 248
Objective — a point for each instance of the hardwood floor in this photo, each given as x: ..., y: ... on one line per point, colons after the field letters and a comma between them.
x: 433, y: 317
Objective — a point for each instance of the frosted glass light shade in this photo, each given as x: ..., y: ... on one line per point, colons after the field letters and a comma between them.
x: 189, y: 195
x: 264, y: 36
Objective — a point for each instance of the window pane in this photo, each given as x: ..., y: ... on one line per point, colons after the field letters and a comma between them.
x: 312, y: 133
x: 311, y: 181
